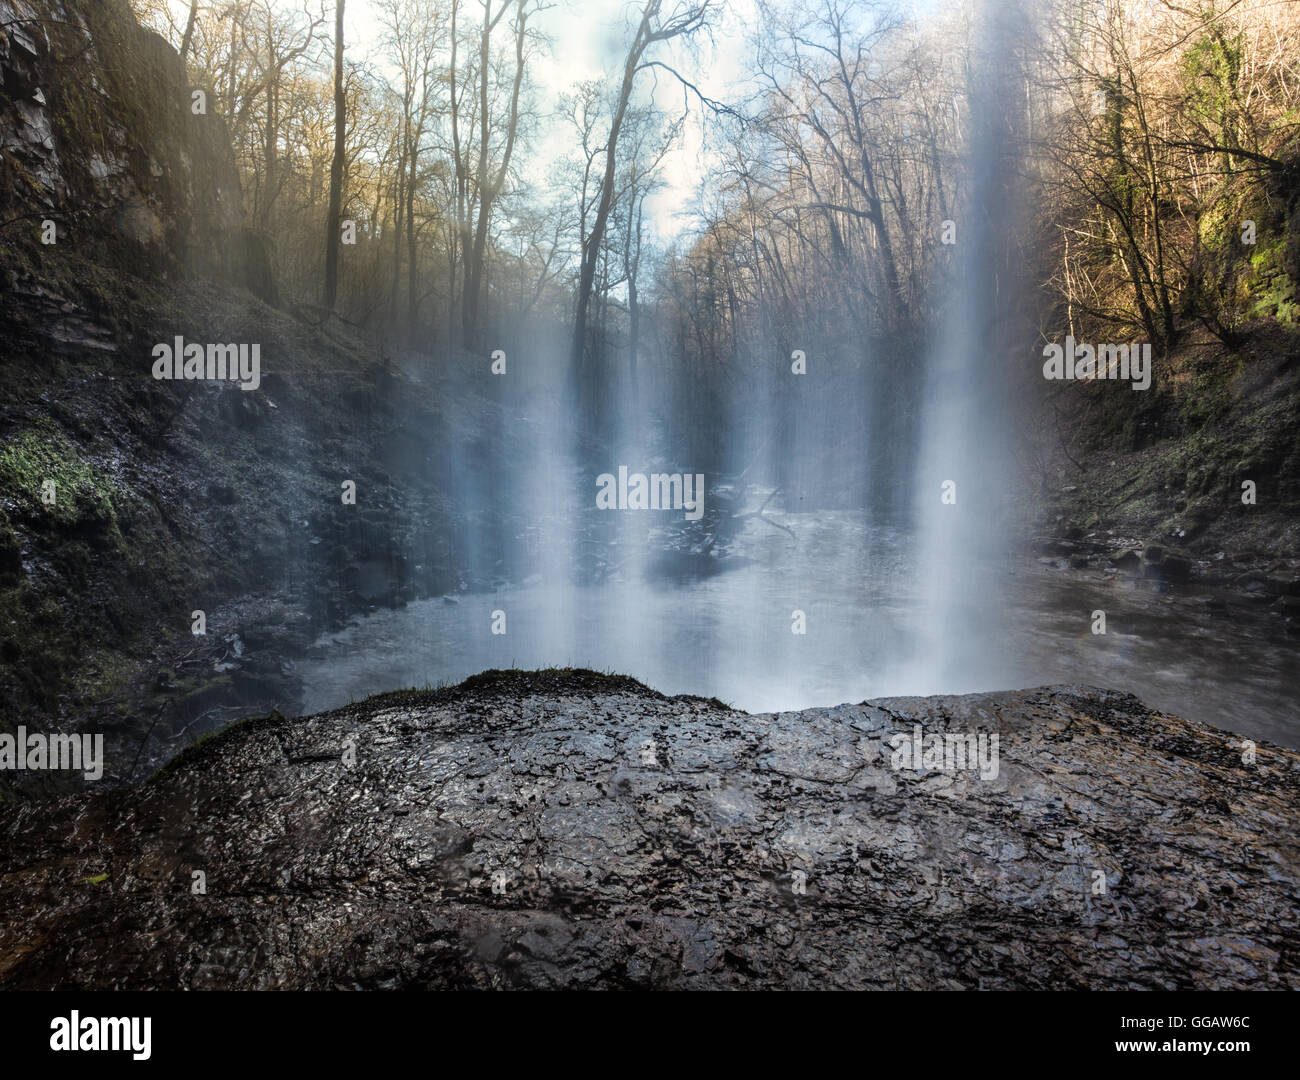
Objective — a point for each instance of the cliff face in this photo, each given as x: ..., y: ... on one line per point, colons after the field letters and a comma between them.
x: 171, y: 496
x: 100, y: 136
x: 567, y: 829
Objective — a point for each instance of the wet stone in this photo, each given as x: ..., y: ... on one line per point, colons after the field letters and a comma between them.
x: 510, y: 832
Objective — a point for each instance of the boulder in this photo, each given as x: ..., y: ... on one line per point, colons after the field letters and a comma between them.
x: 1127, y: 559
x: 1160, y: 563
x: 567, y: 829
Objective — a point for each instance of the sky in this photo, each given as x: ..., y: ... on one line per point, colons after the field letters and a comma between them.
x: 588, y: 39
x: 594, y: 35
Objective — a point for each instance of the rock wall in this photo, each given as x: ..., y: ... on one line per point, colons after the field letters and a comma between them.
x: 172, y: 496
x: 99, y: 135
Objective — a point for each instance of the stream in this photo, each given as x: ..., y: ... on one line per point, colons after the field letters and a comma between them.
x: 729, y: 634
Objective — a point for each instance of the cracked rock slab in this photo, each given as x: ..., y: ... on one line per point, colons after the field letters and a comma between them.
x: 567, y: 829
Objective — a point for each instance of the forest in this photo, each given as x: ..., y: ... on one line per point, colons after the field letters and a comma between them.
x: 1155, y: 150
x: 484, y: 485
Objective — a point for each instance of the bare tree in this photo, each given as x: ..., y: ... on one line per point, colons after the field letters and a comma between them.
x: 334, y: 214
x: 652, y: 28
x: 189, y: 28
x: 490, y: 180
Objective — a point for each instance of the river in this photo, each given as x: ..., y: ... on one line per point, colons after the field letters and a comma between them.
x: 730, y: 634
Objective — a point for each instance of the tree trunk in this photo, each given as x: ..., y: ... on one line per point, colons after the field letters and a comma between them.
x: 591, y: 245
x: 189, y: 30
x: 411, y: 268
x: 489, y: 187
x: 333, y: 223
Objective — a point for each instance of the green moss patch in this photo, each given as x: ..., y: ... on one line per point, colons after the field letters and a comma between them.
x: 42, y: 476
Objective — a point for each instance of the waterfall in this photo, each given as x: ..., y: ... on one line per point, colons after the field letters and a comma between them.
x: 964, y: 468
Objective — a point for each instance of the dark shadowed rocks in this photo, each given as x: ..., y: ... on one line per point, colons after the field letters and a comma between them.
x: 102, y: 135
x: 565, y: 829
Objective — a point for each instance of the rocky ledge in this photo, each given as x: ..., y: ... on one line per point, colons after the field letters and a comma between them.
x: 569, y: 829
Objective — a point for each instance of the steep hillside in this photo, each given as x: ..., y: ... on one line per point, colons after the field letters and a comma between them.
x: 1168, y: 466
x: 128, y: 503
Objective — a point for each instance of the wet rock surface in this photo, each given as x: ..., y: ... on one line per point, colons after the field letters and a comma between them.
x: 567, y: 829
